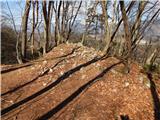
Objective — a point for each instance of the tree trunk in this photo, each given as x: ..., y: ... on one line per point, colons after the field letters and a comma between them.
x: 127, y: 37
x: 57, y: 22
x: 136, y: 25
x: 75, y: 16
x: 33, y: 28
x: 24, y: 28
x: 107, y: 31
x: 46, y: 15
x: 150, y: 59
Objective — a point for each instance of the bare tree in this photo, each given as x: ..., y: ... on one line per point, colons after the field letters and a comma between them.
x: 19, y: 59
x: 73, y: 21
x: 91, y: 14
x: 33, y: 27
x: 24, y: 28
x: 46, y: 15
x: 127, y: 36
x: 57, y: 22
x: 152, y: 57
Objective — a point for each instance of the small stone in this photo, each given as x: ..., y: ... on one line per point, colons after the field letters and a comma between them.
x: 114, y: 90
x: 126, y: 84
x: 50, y: 78
x: 61, y: 73
x: 11, y: 101
x: 45, y: 62
x: 53, y: 80
x: 44, y: 84
x: 113, y: 71
x: 32, y: 68
x: 98, y: 65
x: 81, y: 69
x: 141, y: 79
x: 148, y: 84
x: 83, y: 76
x: 50, y: 70
x: 94, y: 64
x: 74, y: 65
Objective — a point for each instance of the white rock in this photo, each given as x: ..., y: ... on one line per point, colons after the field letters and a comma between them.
x: 98, y: 65
x: 114, y: 90
x: 148, y: 84
x: 67, y: 43
x: 141, y: 79
x: 32, y: 68
x: 74, y: 65
x: 113, y: 71
x: 50, y: 78
x: 74, y: 55
x: 126, y: 84
x: 54, y: 79
x: 67, y: 61
x: 11, y: 101
x: 44, y: 62
x: 83, y: 76
x: 81, y: 69
x: 61, y: 73
x: 50, y: 70
x: 44, y: 84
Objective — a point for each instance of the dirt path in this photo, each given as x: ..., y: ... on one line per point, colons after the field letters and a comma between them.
x: 75, y: 83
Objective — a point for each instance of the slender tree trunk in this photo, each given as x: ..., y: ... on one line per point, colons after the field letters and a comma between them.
x: 89, y: 23
x: 120, y: 21
x: 18, y: 53
x: 57, y: 22
x: 127, y: 37
x: 70, y: 28
x: 19, y: 56
x: 152, y: 57
x: 24, y: 28
x: 136, y: 25
x: 46, y: 15
x: 33, y: 28
x: 107, y: 31
x: 49, y: 27
x: 63, y: 21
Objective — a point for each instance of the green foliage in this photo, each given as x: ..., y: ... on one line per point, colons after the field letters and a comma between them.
x: 152, y: 68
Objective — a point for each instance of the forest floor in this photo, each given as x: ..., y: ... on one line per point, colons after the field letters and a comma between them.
x: 73, y: 82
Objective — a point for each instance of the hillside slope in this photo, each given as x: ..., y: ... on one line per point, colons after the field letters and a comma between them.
x: 73, y: 82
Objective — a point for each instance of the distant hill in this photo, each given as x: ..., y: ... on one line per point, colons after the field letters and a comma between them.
x: 153, y: 32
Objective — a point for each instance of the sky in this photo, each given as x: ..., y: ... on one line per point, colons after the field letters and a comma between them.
x: 17, y: 7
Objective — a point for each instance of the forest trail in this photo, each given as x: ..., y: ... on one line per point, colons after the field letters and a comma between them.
x: 75, y: 82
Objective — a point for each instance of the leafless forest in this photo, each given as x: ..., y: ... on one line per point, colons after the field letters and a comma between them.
x: 80, y: 60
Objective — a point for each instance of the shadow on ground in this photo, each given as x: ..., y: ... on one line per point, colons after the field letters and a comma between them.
x: 36, y: 77
x: 60, y: 106
x: 155, y: 97
x: 49, y: 87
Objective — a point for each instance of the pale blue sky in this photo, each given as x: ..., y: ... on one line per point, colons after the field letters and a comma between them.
x: 17, y: 7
